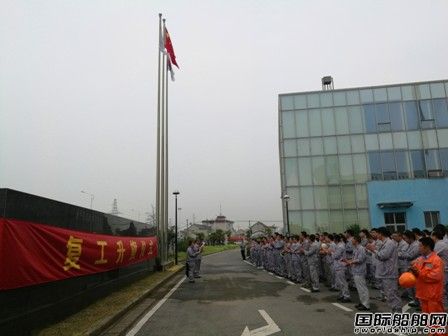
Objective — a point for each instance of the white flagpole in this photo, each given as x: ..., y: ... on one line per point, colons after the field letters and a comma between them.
x: 159, y: 228
x: 162, y: 180
x: 166, y: 150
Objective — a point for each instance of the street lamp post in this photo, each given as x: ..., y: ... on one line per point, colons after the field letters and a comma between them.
x: 92, y: 196
x: 286, y: 199
x: 175, y: 226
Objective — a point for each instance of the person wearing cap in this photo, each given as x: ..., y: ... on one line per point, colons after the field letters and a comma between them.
x: 387, y: 268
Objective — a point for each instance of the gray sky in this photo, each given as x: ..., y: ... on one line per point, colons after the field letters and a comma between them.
x: 78, y: 91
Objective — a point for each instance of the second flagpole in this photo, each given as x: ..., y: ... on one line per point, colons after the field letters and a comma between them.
x: 158, y: 190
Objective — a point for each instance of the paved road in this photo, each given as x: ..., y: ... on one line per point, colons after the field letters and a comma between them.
x: 230, y: 293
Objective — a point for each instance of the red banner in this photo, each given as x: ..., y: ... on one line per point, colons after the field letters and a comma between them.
x: 33, y: 253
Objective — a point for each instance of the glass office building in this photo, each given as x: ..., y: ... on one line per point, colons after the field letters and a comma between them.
x: 371, y: 156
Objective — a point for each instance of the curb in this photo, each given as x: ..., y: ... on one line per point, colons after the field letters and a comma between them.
x: 107, y: 322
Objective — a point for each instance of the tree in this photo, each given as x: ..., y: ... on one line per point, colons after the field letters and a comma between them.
x: 151, y: 217
x: 200, y: 236
x: 248, y: 233
x: 217, y: 237
x: 355, y: 227
x: 171, y: 236
x: 268, y: 231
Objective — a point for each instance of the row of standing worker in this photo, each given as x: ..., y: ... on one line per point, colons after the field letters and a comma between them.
x: 348, y: 261
x: 194, y: 258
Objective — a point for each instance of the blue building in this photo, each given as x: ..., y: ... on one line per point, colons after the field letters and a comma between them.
x: 371, y: 156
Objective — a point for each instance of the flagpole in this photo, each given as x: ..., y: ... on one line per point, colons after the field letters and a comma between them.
x: 159, y: 228
x: 166, y: 148
x: 163, y: 160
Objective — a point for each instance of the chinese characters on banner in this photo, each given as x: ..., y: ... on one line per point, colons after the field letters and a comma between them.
x: 33, y: 253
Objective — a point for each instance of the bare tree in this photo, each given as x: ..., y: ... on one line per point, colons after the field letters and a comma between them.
x: 151, y: 217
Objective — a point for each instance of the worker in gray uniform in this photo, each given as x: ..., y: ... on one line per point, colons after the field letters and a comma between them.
x: 288, y: 259
x: 340, y: 266
x: 258, y: 250
x: 278, y: 248
x: 312, y: 256
x: 402, y: 245
x: 441, y: 248
x: 387, y: 268
x: 272, y: 254
x: 331, y: 249
x: 191, y: 260
x: 349, y: 255
x: 365, y: 240
x: 358, y: 265
x: 198, y: 246
x: 304, y: 260
x: 407, y: 256
x: 295, y: 260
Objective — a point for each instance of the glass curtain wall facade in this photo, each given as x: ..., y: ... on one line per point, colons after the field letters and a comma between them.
x: 332, y: 143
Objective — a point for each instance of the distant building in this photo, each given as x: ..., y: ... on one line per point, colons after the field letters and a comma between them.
x: 209, y: 226
x: 194, y: 229
x: 240, y: 232
x: 220, y: 223
x: 261, y: 228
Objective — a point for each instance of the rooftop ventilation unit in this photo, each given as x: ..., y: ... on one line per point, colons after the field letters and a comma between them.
x: 327, y: 83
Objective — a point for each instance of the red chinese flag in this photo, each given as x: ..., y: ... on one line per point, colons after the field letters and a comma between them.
x: 169, y: 48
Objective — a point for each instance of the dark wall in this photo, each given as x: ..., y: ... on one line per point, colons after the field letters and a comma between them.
x: 24, y: 309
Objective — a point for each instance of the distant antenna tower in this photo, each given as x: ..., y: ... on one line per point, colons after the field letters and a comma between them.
x: 115, y: 208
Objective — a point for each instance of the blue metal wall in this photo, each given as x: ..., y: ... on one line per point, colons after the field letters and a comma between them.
x: 427, y: 195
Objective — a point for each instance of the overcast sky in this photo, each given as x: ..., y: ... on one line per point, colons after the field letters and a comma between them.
x: 78, y: 86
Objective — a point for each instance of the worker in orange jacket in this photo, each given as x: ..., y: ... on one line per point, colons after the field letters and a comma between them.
x: 429, y: 271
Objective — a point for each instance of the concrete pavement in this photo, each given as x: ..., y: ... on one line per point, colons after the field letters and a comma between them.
x: 229, y: 296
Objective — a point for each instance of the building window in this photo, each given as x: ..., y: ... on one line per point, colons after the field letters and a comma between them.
x: 382, y: 118
x: 432, y: 218
x: 396, y: 117
x: 432, y: 163
x: 369, y: 118
x: 395, y: 221
x: 426, y: 113
x: 418, y: 164
x: 402, y: 160
x: 410, y: 111
x: 440, y: 112
x: 375, y: 166
x: 444, y: 160
x: 388, y: 165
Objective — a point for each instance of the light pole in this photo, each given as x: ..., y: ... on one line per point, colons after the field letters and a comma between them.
x: 286, y: 199
x: 175, y: 226
x: 92, y: 196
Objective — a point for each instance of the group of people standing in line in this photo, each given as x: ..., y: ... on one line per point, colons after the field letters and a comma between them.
x: 348, y: 261
x: 194, y: 258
